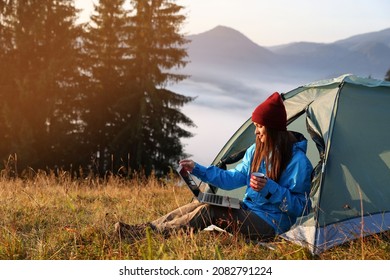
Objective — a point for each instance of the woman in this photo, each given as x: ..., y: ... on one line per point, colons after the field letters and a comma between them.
x: 271, y: 204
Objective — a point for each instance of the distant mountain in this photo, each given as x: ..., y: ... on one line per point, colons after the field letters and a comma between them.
x: 366, y: 55
x: 225, y: 63
x: 224, y: 44
x: 382, y: 36
x: 226, y: 50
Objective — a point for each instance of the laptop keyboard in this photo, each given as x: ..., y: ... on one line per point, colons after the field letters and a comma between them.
x: 212, y: 198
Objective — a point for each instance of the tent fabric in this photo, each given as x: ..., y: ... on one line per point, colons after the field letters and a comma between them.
x: 352, y: 192
x: 347, y: 119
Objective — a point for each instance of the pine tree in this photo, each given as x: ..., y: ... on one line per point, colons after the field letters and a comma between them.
x: 134, y: 120
x: 7, y: 88
x: 40, y: 114
x: 106, y: 50
x: 66, y: 97
x: 154, y: 130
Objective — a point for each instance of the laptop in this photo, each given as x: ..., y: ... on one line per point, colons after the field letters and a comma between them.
x: 209, y: 198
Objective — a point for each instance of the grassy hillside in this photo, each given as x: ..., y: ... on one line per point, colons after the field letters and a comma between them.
x: 57, y: 218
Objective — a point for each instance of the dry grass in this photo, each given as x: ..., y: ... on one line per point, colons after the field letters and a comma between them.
x: 57, y: 218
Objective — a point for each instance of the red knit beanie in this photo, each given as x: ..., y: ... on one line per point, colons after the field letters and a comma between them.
x: 271, y: 113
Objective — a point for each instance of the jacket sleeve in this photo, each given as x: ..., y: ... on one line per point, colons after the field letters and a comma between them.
x: 292, y: 194
x: 226, y: 179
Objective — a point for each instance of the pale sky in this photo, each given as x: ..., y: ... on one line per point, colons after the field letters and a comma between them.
x: 275, y: 22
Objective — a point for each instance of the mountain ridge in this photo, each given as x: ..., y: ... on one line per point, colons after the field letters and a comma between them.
x: 228, y: 50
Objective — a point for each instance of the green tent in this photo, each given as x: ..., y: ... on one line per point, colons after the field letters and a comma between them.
x: 347, y: 123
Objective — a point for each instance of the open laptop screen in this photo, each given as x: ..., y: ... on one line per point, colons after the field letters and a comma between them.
x: 186, y: 176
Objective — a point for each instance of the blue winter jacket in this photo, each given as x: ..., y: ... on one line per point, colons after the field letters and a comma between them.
x: 278, y: 203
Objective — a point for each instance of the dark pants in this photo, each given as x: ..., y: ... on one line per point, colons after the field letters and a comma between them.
x: 198, y: 216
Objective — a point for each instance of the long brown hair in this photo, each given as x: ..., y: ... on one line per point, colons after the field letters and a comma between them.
x: 276, y: 152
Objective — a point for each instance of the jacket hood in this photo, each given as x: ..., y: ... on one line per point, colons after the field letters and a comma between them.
x: 301, y: 144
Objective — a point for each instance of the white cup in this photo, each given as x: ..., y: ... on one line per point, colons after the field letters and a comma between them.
x: 258, y: 174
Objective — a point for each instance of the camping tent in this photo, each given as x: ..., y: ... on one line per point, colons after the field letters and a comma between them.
x: 347, y: 120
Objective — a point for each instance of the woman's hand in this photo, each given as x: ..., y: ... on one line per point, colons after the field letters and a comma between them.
x: 257, y: 183
x: 187, y: 164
